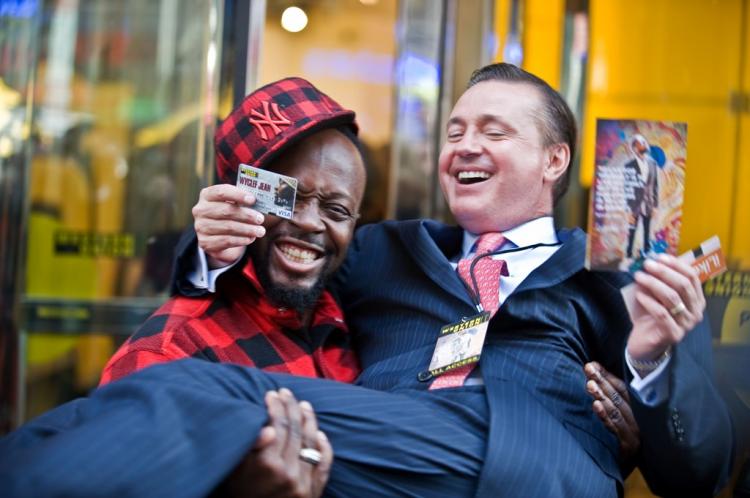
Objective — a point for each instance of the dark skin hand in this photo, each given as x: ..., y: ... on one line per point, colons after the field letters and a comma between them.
x: 273, y: 467
x: 612, y: 406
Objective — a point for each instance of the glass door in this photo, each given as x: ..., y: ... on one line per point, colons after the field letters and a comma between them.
x: 125, y: 99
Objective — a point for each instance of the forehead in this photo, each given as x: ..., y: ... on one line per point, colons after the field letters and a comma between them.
x: 324, y: 160
x: 501, y: 99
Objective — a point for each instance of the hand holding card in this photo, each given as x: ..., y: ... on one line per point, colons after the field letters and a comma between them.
x: 666, y: 301
x: 226, y: 222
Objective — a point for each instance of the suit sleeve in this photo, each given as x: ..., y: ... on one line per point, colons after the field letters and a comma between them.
x: 687, y: 441
x: 338, y: 285
x: 184, y: 255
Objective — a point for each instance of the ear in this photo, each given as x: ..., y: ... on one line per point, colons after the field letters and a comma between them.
x: 558, y: 160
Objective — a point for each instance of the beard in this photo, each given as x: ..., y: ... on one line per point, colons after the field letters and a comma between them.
x: 296, y: 298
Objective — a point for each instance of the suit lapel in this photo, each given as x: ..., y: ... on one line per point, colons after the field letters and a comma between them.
x: 431, y: 244
x: 565, y: 262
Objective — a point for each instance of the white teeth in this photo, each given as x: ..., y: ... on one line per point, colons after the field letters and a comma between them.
x: 296, y: 254
x: 466, y: 175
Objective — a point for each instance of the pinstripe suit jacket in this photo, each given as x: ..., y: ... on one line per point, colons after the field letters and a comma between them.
x: 398, y: 288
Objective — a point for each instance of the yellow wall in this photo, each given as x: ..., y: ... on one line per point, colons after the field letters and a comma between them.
x: 543, y: 30
x: 740, y: 244
x: 501, y: 22
x: 675, y: 60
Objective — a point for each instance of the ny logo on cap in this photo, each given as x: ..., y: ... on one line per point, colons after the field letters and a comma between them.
x: 268, y: 120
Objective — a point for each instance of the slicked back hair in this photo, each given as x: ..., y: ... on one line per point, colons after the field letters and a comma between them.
x: 556, y: 121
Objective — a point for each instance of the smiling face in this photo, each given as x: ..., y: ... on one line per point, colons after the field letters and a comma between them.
x: 495, y: 170
x: 295, y: 256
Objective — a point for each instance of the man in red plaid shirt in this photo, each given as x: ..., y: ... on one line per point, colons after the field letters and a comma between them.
x: 271, y: 310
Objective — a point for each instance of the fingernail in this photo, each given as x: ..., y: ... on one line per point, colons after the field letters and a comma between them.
x: 322, y: 435
x: 650, y: 264
x: 272, y: 394
x: 590, y: 369
x: 261, y: 231
x: 248, y: 199
x: 285, y: 392
x: 259, y: 219
x: 305, y: 405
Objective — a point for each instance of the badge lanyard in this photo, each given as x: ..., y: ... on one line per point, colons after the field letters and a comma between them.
x: 478, y: 323
x: 474, y: 292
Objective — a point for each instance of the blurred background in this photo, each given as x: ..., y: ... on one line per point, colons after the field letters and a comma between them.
x: 108, y: 108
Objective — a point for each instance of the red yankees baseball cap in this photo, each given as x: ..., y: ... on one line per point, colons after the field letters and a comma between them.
x: 270, y: 120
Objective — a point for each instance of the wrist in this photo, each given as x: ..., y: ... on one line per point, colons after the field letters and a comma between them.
x: 645, y: 366
x: 216, y: 263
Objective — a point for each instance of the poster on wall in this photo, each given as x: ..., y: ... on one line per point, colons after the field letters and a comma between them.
x: 637, y: 194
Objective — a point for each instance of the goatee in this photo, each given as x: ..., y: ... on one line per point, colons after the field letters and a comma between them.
x: 295, y: 298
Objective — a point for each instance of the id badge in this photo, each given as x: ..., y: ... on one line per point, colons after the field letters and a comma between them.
x: 459, y: 344
x: 274, y: 194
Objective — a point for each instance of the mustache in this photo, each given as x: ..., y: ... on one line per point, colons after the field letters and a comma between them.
x: 316, y: 239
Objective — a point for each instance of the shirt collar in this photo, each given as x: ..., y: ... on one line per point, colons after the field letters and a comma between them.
x: 538, y: 230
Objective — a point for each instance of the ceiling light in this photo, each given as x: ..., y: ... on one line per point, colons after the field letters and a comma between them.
x: 293, y: 19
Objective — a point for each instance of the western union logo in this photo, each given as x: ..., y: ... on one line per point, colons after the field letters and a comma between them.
x: 93, y: 244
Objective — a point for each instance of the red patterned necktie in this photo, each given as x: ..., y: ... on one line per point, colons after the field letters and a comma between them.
x: 487, y: 273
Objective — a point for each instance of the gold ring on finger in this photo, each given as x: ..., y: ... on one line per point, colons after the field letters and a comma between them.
x: 678, y: 309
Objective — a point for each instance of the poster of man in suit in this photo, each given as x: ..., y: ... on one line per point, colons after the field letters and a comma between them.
x: 636, y: 201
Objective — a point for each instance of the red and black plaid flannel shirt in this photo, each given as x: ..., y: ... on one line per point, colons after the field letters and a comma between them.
x: 239, y: 325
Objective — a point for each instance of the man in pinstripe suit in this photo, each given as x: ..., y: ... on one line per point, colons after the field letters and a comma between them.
x: 509, y: 142
x: 519, y: 424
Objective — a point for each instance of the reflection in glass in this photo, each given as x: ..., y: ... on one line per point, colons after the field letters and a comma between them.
x: 125, y: 106
x: 18, y: 33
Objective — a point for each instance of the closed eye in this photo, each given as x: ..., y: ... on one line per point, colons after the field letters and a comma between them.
x: 454, y: 131
x: 495, y: 134
x: 337, y: 212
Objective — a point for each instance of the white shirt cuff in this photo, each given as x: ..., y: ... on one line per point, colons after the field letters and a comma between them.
x: 203, y: 278
x: 652, y: 389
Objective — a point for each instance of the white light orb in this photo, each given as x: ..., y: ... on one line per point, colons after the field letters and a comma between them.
x: 293, y: 19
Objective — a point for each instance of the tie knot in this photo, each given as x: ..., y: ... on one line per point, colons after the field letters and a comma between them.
x: 489, y: 242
